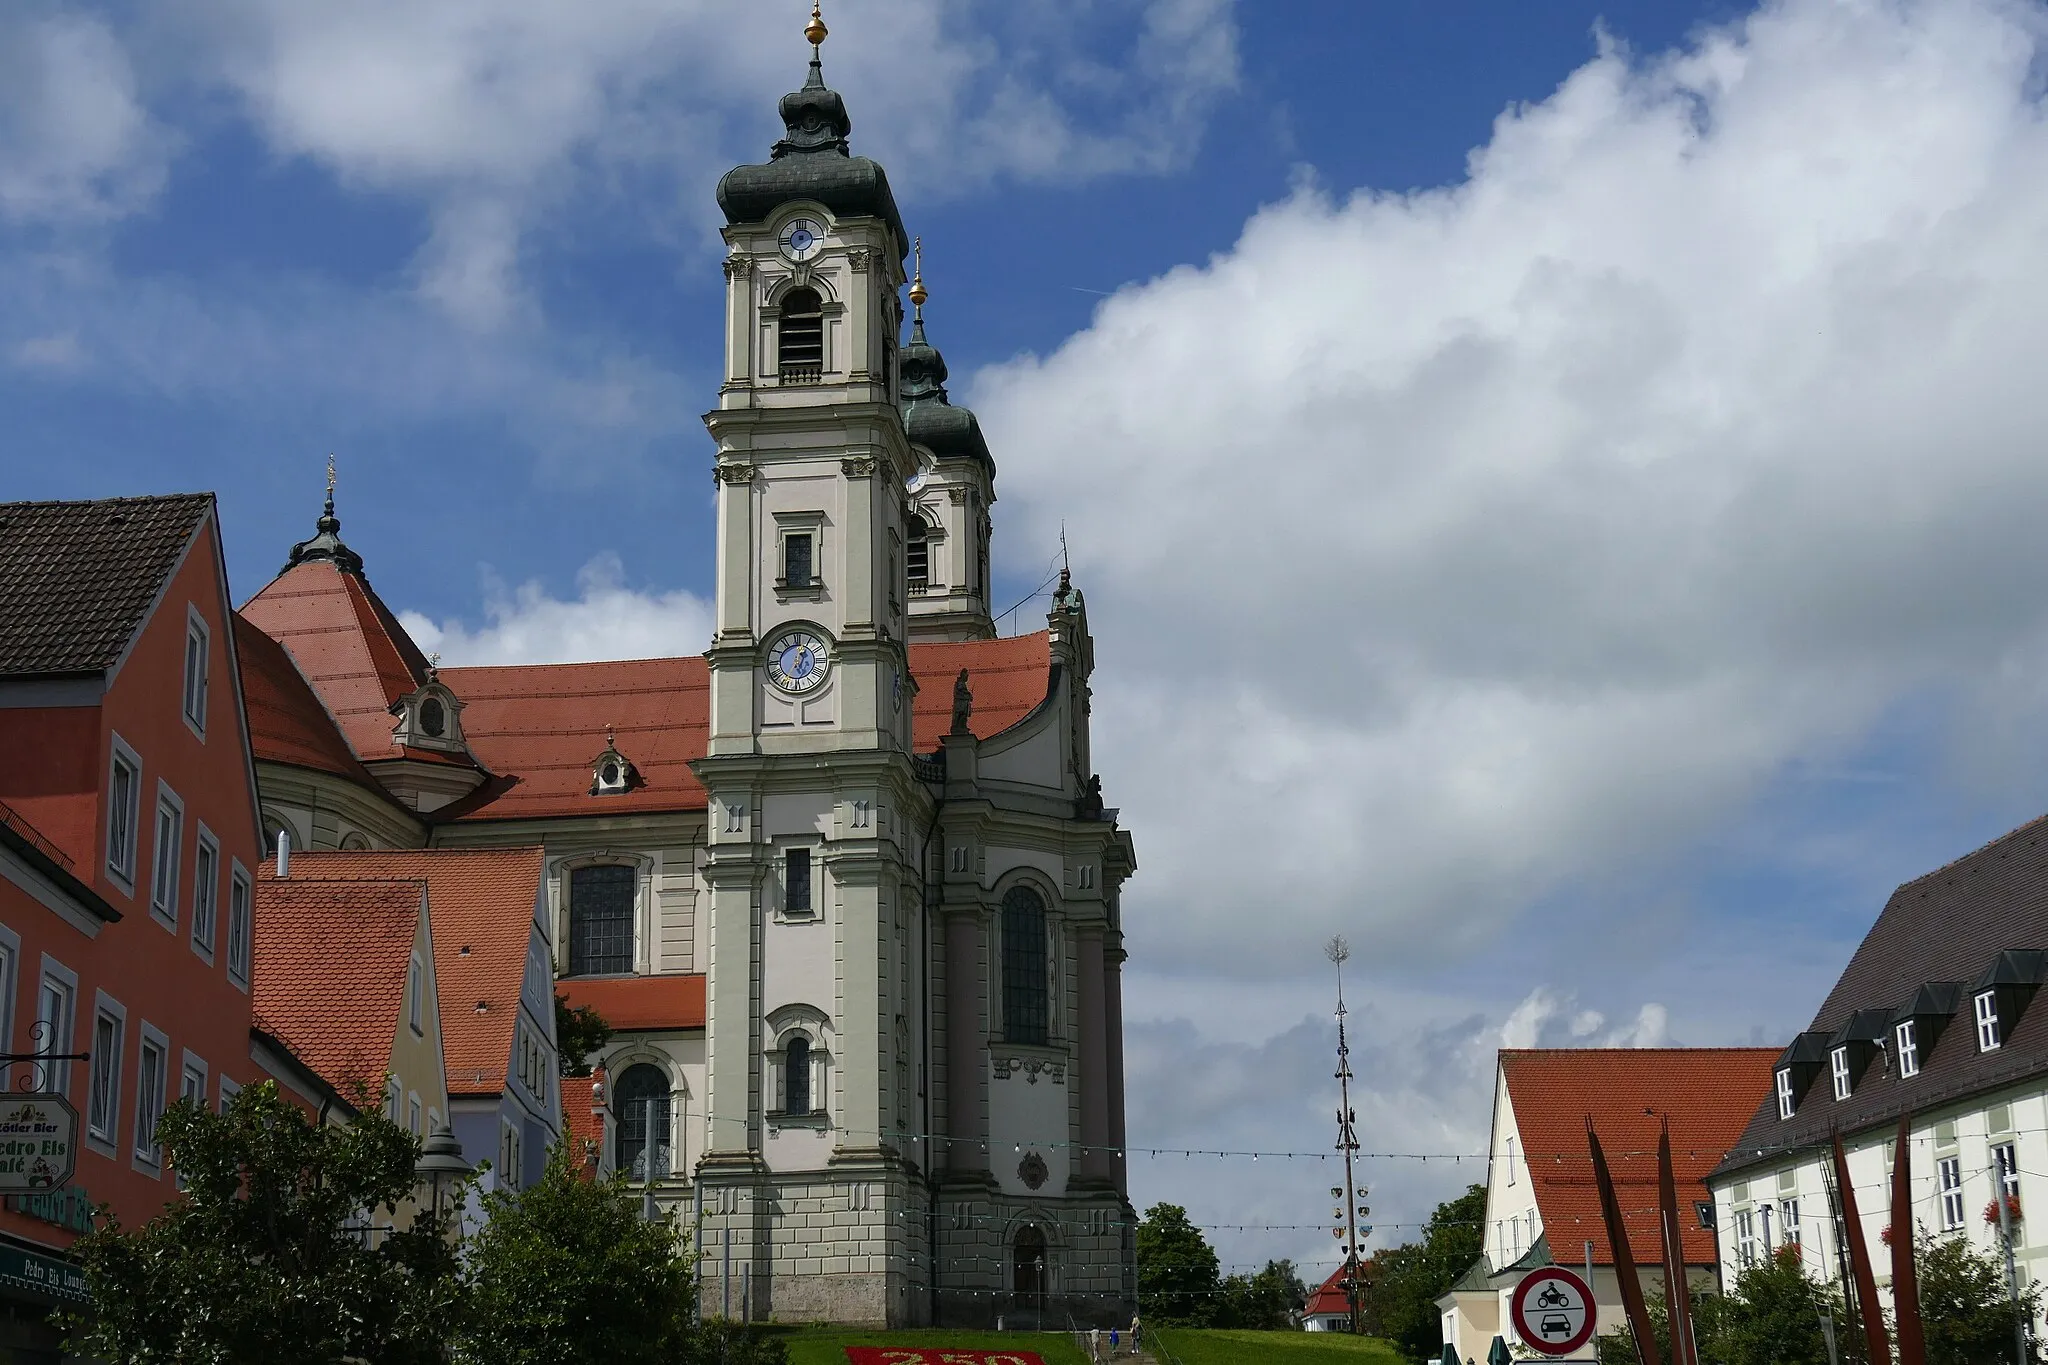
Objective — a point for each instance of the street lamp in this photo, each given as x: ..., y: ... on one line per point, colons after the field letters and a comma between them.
x: 441, y: 1169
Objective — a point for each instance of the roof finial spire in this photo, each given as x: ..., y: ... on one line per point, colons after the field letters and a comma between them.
x: 329, y: 524
x: 326, y: 542
x: 918, y: 293
x: 815, y: 31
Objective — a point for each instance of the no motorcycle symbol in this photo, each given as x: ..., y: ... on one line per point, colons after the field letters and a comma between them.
x: 1552, y: 1311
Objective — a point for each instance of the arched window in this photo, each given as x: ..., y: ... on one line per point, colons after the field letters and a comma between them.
x: 1028, y: 1275
x: 640, y: 1101
x: 1026, y: 1007
x: 802, y: 357
x: 796, y: 1075
x: 917, y: 556
x: 601, y: 920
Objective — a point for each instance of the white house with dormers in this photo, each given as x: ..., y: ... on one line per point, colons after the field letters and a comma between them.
x: 844, y: 882
x: 1936, y: 1017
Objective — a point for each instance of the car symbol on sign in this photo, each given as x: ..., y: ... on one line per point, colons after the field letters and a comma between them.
x: 1555, y: 1325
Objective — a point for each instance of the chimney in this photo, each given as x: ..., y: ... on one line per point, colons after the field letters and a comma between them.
x: 284, y: 854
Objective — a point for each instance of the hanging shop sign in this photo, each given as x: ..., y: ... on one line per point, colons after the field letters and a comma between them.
x: 42, y: 1277
x: 38, y: 1142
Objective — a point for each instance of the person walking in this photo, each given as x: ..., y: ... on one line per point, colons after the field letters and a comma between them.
x: 1095, y: 1345
x: 1136, y: 1329
x: 1113, y: 1343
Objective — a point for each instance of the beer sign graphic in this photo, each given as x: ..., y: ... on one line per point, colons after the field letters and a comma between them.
x: 38, y: 1142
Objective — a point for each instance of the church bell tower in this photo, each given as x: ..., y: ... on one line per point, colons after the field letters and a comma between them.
x: 814, y: 1073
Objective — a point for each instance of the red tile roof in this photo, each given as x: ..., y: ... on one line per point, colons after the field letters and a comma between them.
x: 1708, y: 1094
x: 640, y: 1003
x: 543, y: 726
x: 1008, y: 678
x: 331, y: 959
x: 481, y: 905
x: 347, y: 643
x: 287, y: 722
x: 1330, y: 1297
x: 586, y: 1129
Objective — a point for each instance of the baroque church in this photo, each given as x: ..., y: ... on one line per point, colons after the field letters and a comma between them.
x: 843, y: 884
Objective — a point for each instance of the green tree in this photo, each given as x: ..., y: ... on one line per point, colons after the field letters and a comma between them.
x: 282, y: 1247
x: 1177, y: 1271
x: 579, y: 1031
x: 1408, y: 1280
x: 1965, y: 1306
x: 1265, y: 1302
x: 568, y: 1272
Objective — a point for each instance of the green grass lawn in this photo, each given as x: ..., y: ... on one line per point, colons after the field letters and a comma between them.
x: 1289, y: 1348
x: 826, y: 1346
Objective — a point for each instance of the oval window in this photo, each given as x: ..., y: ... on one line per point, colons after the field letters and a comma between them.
x: 610, y: 776
x: 433, y: 718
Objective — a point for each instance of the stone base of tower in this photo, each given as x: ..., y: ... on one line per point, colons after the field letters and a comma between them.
x: 987, y: 1247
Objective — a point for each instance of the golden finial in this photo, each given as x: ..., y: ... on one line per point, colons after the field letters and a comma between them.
x: 330, y: 476
x: 816, y: 30
x: 918, y: 293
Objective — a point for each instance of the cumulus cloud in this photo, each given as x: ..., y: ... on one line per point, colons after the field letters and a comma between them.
x: 605, y: 620
x: 497, y: 113
x: 76, y: 143
x: 1498, y: 540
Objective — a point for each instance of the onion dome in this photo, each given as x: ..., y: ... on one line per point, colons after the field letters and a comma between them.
x: 812, y: 161
x: 929, y: 417
x: 326, y: 542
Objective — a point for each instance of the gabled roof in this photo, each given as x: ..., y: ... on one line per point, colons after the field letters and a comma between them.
x: 287, y: 722
x: 78, y: 578
x: 347, y: 643
x: 1008, y: 677
x: 482, y: 914
x: 1954, y: 924
x: 1330, y: 1297
x: 328, y: 980
x: 1707, y: 1094
x: 640, y: 1004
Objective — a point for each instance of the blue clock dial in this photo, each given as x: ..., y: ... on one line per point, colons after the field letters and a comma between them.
x: 802, y: 239
x: 798, y: 661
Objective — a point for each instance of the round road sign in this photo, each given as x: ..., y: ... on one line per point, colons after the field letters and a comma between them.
x: 1553, y: 1311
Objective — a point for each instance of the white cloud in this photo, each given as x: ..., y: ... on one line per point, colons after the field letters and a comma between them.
x: 76, y: 143
x: 606, y: 620
x: 1500, y: 540
x: 500, y: 112
x: 1548, y: 1018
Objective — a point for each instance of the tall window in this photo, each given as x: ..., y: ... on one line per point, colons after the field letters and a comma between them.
x: 238, y: 925
x: 1788, y: 1222
x: 1786, y: 1102
x: 151, y: 1081
x: 802, y: 356
x: 195, y: 673
x: 415, y: 997
x: 1511, y: 1161
x: 796, y: 882
x: 124, y: 812
x: 917, y: 556
x: 796, y: 1075
x: 2007, y: 1161
x: 1838, y: 1063
x: 170, y: 841
x: 205, y: 891
x: 103, y: 1103
x: 1908, y: 1035
x: 640, y: 1101
x: 1026, y: 1007
x: 1950, y: 1170
x: 53, y: 1031
x: 797, y: 560
x: 1745, y: 1237
x: 601, y: 920
x: 1987, y: 1021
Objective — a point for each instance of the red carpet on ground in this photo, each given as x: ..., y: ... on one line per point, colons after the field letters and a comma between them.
x: 937, y: 1355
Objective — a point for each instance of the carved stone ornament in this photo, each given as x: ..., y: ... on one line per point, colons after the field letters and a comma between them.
x: 1032, y: 1171
x: 738, y: 267
x: 860, y: 261
x: 734, y: 473
x: 862, y: 468
x: 1052, y: 1068
x: 957, y: 494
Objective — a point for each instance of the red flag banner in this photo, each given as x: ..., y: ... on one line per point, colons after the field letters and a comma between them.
x: 937, y: 1355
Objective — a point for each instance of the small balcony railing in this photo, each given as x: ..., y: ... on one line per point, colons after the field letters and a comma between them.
x: 802, y: 374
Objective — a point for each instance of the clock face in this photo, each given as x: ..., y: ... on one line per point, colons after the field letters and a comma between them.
x: 798, y: 662
x: 801, y: 239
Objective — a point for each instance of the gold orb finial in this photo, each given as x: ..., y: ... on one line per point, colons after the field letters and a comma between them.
x: 816, y: 30
x: 918, y: 293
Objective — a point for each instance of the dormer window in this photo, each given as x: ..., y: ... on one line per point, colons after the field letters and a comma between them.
x: 1787, y: 1101
x: 1908, y: 1039
x: 1988, y: 1039
x: 800, y: 358
x: 429, y: 719
x: 1838, y: 1067
x: 611, y: 771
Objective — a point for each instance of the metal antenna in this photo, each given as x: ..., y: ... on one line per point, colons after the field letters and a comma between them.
x: 1339, y: 952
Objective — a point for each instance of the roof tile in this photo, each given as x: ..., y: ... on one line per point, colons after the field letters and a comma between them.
x: 77, y: 578
x: 331, y: 959
x: 632, y: 1004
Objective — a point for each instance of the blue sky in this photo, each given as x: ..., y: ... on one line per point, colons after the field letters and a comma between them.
x: 1557, y: 484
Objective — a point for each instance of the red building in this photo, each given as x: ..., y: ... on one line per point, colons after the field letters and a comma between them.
x: 129, y: 844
